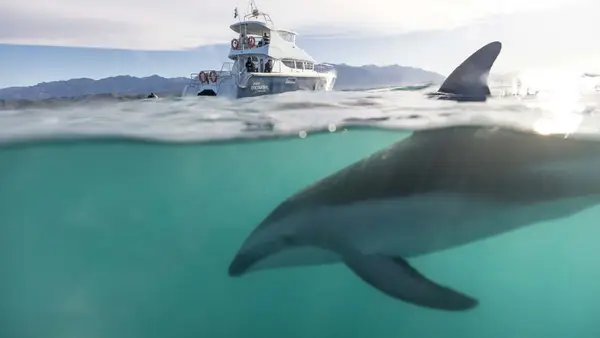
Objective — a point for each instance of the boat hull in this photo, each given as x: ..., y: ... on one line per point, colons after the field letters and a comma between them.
x: 259, y: 85
x: 262, y: 84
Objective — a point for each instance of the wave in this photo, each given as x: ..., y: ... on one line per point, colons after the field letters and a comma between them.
x: 296, y: 114
x: 414, y: 87
x: 59, y: 102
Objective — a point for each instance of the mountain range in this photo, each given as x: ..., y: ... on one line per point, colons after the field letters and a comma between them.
x: 349, y: 77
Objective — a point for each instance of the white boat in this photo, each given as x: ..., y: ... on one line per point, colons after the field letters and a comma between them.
x: 264, y: 60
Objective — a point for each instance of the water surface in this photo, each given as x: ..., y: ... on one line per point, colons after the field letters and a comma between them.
x: 120, y: 220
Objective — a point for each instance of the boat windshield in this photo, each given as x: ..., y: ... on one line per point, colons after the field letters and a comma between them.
x: 287, y: 36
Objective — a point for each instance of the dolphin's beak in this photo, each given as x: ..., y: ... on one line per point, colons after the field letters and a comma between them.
x: 241, y: 263
x: 246, y: 258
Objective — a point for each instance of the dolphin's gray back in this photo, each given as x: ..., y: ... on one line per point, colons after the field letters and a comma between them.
x: 493, y: 163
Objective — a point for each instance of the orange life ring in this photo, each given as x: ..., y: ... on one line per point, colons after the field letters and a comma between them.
x: 212, y: 76
x: 235, y: 43
x: 251, y: 42
x: 202, y: 77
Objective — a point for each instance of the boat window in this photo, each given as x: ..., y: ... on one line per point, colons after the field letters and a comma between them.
x: 287, y: 36
x: 299, y: 65
x: 288, y: 63
x: 309, y: 66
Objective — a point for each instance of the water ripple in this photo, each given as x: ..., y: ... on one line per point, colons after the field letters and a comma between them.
x: 208, y: 119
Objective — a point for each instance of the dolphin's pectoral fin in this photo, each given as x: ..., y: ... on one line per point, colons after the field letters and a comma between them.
x: 395, y: 277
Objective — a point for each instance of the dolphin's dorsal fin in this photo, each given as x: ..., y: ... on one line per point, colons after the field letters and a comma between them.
x: 471, y: 77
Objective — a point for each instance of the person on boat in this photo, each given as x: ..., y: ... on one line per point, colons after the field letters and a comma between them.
x: 266, y: 39
x: 269, y: 66
x: 249, y: 65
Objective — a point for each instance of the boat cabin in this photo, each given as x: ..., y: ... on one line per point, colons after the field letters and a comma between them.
x: 260, y: 47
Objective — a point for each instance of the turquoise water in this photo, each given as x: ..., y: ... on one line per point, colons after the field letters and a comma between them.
x: 133, y: 239
x: 104, y: 236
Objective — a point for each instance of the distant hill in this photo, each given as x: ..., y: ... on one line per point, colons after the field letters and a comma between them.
x: 349, y: 77
x: 123, y: 85
x: 371, y: 76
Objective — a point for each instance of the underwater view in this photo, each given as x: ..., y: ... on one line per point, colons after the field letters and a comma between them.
x: 337, y: 170
x: 125, y: 221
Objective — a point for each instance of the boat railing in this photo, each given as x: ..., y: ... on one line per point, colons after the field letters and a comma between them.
x: 225, y: 72
x: 194, y: 76
x: 243, y: 45
x: 256, y: 14
x: 194, y: 80
x: 227, y: 67
x: 241, y: 78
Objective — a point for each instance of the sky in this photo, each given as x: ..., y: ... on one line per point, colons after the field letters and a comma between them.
x: 44, y: 40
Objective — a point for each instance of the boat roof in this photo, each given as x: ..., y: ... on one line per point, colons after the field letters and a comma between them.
x: 257, y: 28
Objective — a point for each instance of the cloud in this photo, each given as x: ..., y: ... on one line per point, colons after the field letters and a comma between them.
x: 23, y: 27
x: 181, y: 24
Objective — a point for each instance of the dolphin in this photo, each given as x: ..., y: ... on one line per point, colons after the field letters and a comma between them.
x: 469, y: 81
x: 435, y: 190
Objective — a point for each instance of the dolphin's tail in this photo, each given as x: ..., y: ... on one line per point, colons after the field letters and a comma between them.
x: 469, y: 81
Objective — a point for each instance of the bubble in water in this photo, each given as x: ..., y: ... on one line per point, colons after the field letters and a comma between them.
x: 331, y: 127
x: 302, y: 134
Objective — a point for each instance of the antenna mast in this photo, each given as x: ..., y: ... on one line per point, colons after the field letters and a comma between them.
x: 253, y: 8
